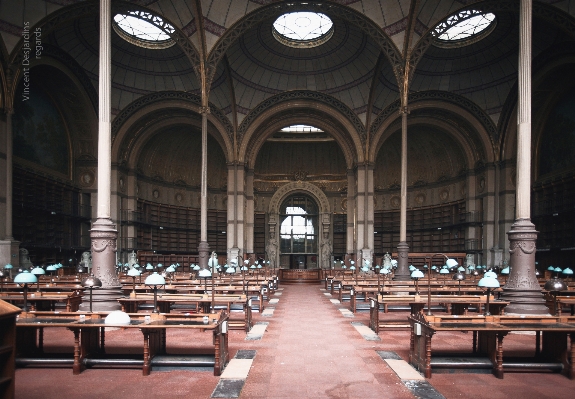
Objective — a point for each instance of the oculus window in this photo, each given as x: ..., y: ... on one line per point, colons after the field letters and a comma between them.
x: 144, y: 29
x: 299, y: 225
x: 303, y: 29
x: 464, y: 28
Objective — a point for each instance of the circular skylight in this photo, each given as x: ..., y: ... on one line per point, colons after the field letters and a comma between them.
x: 303, y: 29
x: 144, y: 29
x: 464, y: 28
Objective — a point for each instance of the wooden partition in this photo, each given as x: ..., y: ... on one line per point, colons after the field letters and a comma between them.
x: 311, y: 276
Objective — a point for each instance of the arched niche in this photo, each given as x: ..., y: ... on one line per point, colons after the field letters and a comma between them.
x: 274, y: 210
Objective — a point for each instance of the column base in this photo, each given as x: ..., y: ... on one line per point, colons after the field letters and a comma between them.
x: 104, y: 237
x: 402, y: 272
x: 522, y: 289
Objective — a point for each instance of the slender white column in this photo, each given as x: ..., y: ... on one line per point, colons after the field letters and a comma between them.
x: 9, y: 151
x: 104, y: 112
x: 402, y: 272
x: 204, y: 185
x: 523, y: 206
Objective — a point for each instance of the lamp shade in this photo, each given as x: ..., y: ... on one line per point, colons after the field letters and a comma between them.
x: 149, y: 267
x: 133, y: 272
x: 91, y: 282
x: 204, y: 273
x: 444, y: 271
x: 558, y: 270
x: 551, y: 268
x: 411, y: 268
x: 553, y: 285
x: 488, y: 282
x: 136, y: 266
x: 505, y: 271
x: 459, y: 276
x: 171, y: 269
x: 365, y: 269
x: 384, y: 271
x: 416, y: 274
x: 567, y: 271
x: 8, y: 266
x: 244, y: 268
x: 352, y: 267
x: 460, y: 269
x: 231, y: 270
x: 38, y: 271
x: 155, y: 279
x: 25, y: 278
x: 490, y: 274
x: 51, y: 268
x: 451, y: 262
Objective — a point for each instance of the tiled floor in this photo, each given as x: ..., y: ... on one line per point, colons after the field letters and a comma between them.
x: 309, y: 350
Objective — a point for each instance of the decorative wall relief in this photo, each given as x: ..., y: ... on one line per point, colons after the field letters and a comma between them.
x: 420, y: 198
x: 179, y: 198
x: 121, y: 183
x: 156, y: 194
x: 481, y: 184
x: 444, y: 194
x: 395, y: 201
x: 344, y: 204
x: 86, y: 177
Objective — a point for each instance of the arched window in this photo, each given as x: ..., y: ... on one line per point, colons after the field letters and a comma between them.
x: 299, y: 225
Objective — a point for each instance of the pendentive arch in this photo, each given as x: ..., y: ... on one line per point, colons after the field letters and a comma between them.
x: 343, y: 12
x: 301, y: 111
x: 155, y: 107
x: 480, y: 144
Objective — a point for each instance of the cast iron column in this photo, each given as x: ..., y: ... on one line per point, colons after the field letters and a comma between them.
x: 103, y: 233
x: 204, y: 247
x: 402, y: 271
x: 522, y: 288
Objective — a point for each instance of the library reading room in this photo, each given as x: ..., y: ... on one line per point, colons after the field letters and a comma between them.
x: 268, y: 199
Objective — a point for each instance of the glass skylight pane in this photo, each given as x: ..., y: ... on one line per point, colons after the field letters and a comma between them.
x: 303, y: 25
x: 464, y: 25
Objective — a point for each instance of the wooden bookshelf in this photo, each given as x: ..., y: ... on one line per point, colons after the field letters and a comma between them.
x: 172, y: 229
x: 439, y: 228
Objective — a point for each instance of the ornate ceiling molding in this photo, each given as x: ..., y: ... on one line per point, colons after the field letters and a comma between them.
x: 161, y: 96
x: 298, y: 186
x: 303, y: 95
x: 331, y: 9
x: 442, y: 96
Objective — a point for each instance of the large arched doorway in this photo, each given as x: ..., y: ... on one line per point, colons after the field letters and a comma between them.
x: 299, y: 232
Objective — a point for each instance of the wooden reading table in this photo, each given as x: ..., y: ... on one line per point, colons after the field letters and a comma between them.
x: 488, y: 334
x: 456, y: 305
x: 202, y: 304
x: 46, y: 300
x: 89, y: 336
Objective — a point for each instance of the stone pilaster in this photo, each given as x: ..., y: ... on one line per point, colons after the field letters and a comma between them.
x: 204, y: 247
x: 402, y: 272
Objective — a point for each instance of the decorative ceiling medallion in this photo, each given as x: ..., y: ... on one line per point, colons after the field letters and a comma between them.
x: 144, y: 29
x: 303, y: 29
x: 464, y: 28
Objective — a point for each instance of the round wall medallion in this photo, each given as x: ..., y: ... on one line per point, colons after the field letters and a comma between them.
x: 344, y: 204
x: 444, y: 195
x: 179, y: 197
x: 395, y: 202
x: 87, y: 178
x: 420, y: 198
x: 156, y: 194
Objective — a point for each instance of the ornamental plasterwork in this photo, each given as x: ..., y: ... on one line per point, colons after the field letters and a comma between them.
x: 299, y: 186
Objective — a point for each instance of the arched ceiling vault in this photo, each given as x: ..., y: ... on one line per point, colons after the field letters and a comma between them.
x: 301, y: 112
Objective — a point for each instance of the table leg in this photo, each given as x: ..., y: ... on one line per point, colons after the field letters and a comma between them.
x: 77, y: 367
x: 147, y: 359
x: 537, y: 343
x: 427, y: 369
x: 474, y: 341
x: 571, y: 357
x: 41, y: 339
x: 102, y: 339
x: 498, y: 366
